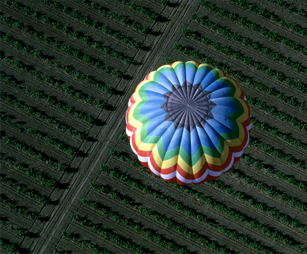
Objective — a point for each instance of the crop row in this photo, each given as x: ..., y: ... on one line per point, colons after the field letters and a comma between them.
x: 271, y: 190
x: 289, y: 6
x: 93, y: 24
x: 248, y: 160
x: 42, y: 115
x: 68, y: 70
x: 276, y: 152
x: 136, y: 226
x: 40, y: 135
x: 128, y: 201
x: 58, y: 104
x: 275, y: 112
x: 98, y: 228
x: 253, y: 26
x: 150, y: 14
x: 84, y: 244
x: 9, y: 246
x: 122, y: 19
x: 274, y: 131
x: 48, y: 79
x: 18, y: 231
x: 241, y: 77
x: 283, y: 217
x: 21, y: 188
x: 253, y: 44
x: 69, y: 30
x: 65, y: 48
x: 42, y: 177
x: 248, y: 61
x: 200, y: 217
x: 20, y: 145
x: 270, y: 15
x: 55, y: 250
x: 163, y: 2
x: 249, y: 200
x: 11, y: 205
x: 123, y: 157
x: 128, y: 222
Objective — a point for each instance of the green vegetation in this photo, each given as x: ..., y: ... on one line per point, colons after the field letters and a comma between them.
x: 106, y: 233
x: 60, y: 105
x: 290, y: 7
x: 253, y: 26
x: 150, y: 14
x: 42, y: 177
x: 11, y: 205
x: 39, y: 114
x: 21, y: 188
x: 22, y: 146
x: 253, y: 44
x: 39, y: 135
x: 65, y: 48
x: 45, y: 78
x: 86, y: 20
x: 271, y: 16
x: 8, y: 246
x: 71, y: 32
x: 125, y: 20
x: 275, y: 132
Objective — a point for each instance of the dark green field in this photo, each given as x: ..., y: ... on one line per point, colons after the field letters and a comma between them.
x: 70, y: 182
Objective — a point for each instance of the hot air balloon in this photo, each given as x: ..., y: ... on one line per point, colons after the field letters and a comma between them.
x: 188, y: 122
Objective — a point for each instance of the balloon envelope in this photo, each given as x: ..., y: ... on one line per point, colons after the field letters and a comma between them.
x: 188, y: 122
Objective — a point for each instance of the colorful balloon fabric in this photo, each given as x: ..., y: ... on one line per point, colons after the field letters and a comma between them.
x: 188, y: 122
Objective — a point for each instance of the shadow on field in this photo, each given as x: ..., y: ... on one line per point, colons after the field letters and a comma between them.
x: 145, y: 48
x: 24, y: 250
x: 3, y: 219
x: 43, y: 218
x: 19, y: 122
x: 117, y: 92
x: 155, y: 33
x: 127, y: 77
x: 71, y: 170
x: 162, y: 19
x: 136, y: 63
x: 81, y: 154
x: 32, y: 235
x: 90, y: 139
x: 53, y: 202
x: 62, y: 186
x: 110, y: 107
x: 99, y: 122
x: 173, y: 5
